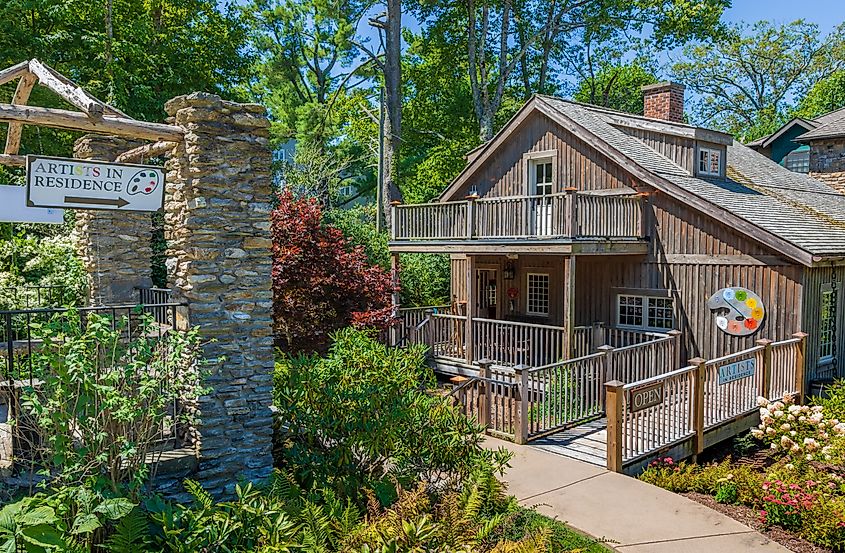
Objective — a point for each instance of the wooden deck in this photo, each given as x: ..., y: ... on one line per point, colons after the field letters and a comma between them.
x: 586, y: 442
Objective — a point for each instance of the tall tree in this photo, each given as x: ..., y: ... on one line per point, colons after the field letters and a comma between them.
x: 615, y: 86
x: 749, y: 80
x: 826, y: 95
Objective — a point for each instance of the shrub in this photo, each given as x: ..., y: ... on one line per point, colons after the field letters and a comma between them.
x: 824, y: 525
x: 363, y: 418
x: 787, y: 505
x: 833, y: 405
x: 727, y: 490
x: 321, y: 282
x: 100, y: 399
x: 799, y: 432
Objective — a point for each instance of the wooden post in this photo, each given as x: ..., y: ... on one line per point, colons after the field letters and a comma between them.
x: 485, y: 392
x: 676, y: 348
x: 766, y: 374
x: 599, y: 337
x: 607, y: 368
x: 698, y: 403
x: 613, y: 399
x: 570, y: 225
x: 396, y: 330
x: 569, y: 303
x: 394, y: 222
x: 800, y: 369
x: 428, y: 329
x: 520, y: 427
x: 472, y: 305
x: 470, y: 231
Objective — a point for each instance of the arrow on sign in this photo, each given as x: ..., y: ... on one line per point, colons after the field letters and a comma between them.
x: 120, y: 202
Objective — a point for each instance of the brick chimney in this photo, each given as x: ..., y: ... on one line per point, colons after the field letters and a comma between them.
x: 664, y: 101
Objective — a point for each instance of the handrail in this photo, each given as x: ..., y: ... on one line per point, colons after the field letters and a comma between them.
x: 517, y: 323
x: 450, y: 316
x: 430, y: 204
x: 566, y: 361
x: 658, y: 378
x: 730, y: 356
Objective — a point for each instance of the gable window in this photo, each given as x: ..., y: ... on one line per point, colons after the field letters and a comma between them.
x: 827, y: 323
x: 645, y: 312
x: 538, y: 294
x: 542, y: 180
x: 709, y: 162
x: 798, y: 161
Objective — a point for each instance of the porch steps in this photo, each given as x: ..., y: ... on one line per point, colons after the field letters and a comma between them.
x: 586, y: 442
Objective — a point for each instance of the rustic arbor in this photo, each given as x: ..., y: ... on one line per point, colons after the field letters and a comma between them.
x: 216, y: 214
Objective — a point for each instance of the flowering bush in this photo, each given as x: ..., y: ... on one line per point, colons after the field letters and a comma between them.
x: 786, y: 505
x: 800, y: 432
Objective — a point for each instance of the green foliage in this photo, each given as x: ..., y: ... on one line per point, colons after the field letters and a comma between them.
x: 102, y: 400
x: 689, y: 477
x: 751, y: 100
x: 314, y: 172
x: 833, y: 402
x: 617, y: 87
x: 827, y: 95
x: 362, y: 418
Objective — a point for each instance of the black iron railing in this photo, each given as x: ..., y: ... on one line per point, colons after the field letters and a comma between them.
x: 32, y: 296
x: 152, y: 297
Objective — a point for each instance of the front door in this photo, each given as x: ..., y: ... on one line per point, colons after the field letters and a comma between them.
x: 542, y: 184
x: 487, y: 290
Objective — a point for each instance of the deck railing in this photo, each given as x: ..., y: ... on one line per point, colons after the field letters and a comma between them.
x: 688, y: 408
x: 565, y: 215
x: 491, y: 398
x: 513, y: 343
x: 446, y: 335
x: 656, y: 354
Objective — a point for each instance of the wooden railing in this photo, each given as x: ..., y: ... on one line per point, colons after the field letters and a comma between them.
x: 512, y: 343
x: 491, y: 398
x: 656, y: 355
x: 704, y: 399
x: 566, y: 215
x: 446, y: 335
x: 410, y: 325
x: 562, y: 394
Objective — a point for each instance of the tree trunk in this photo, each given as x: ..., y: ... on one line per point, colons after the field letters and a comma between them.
x: 393, y: 97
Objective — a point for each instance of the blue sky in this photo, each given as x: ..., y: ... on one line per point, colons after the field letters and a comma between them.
x: 826, y: 13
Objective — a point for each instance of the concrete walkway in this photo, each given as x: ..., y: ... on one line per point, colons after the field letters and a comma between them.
x: 636, y: 517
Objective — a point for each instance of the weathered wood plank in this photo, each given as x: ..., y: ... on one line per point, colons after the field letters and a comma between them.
x: 21, y: 97
x: 11, y: 73
x: 71, y: 92
x: 12, y: 161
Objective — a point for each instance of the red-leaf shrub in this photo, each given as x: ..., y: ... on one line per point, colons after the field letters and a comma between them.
x: 320, y: 282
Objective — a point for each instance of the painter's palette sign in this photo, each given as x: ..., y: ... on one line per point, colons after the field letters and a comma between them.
x: 737, y: 370
x: 82, y: 184
x: 13, y: 208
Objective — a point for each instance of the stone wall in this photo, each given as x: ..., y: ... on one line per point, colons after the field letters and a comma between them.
x: 114, y: 245
x: 827, y: 162
x: 217, y: 207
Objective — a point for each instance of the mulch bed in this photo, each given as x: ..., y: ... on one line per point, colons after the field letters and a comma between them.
x: 751, y: 518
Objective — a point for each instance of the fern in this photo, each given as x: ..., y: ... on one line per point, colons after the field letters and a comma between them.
x: 131, y: 534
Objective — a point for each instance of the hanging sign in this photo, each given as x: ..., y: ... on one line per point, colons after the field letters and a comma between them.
x: 13, y: 208
x: 82, y: 184
x: 738, y: 311
x: 737, y: 370
x: 645, y: 397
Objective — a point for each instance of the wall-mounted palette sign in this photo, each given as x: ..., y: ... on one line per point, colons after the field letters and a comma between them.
x: 738, y: 311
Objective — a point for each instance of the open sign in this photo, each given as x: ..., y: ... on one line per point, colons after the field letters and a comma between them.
x: 645, y: 397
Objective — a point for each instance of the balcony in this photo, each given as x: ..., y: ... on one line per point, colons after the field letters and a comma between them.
x: 572, y: 222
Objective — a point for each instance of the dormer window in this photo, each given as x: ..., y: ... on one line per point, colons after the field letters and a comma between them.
x: 709, y: 162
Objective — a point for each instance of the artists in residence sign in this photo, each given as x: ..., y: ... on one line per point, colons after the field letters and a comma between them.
x: 737, y: 370
x: 74, y: 183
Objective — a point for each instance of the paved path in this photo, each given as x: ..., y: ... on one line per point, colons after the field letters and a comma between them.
x: 636, y: 517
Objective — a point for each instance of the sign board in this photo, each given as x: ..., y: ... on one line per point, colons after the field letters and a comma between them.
x: 737, y: 370
x: 13, y: 208
x: 645, y: 397
x: 82, y: 184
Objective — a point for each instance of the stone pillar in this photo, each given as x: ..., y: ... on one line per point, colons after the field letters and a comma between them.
x: 217, y: 210
x: 827, y: 162
x: 114, y: 245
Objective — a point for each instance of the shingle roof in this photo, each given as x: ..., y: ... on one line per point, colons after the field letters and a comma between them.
x: 832, y: 126
x: 794, y: 207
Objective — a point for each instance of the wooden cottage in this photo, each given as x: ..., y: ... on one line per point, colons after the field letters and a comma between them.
x: 576, y: 220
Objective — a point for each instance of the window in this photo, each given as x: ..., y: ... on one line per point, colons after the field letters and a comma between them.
x: 346, y: 191
x: 798, y: 161
x: 827, y: 324
x: 542, y: 177
x: 538, y: 294
x: 709, y: 162
x: 646, y: 312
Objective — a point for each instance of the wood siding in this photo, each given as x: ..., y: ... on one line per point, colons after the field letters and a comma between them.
x: 679, y: 149
x: 576, y: 164
x: 814, y: 280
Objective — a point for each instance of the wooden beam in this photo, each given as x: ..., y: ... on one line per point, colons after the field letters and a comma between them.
x: 12, y: 73
x: 64, y: 119
x: 145, y: 152
x: 71, y: 92
x: 21, y: 97
x: 12, y: 161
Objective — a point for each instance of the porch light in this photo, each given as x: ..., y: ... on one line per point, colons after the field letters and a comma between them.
x: 509, y: 273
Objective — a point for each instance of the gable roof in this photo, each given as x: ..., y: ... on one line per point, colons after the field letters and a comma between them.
x: 766, y: 141
x: 831, y: 125
x: 798, y: 216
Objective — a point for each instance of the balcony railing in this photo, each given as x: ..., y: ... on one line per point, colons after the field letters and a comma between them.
x: 567, y: 215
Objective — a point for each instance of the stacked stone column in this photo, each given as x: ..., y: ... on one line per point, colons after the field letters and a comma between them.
x: 827, y: 162
x: 114, y: 245
x: 217, y: 209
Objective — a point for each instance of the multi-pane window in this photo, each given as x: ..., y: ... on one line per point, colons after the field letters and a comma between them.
x: 542, y: 177
x: 797, y: 161
x: 538, y: 294
x: 709, y: 162
x: 647, y: 312
x: 827, y: 324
